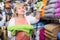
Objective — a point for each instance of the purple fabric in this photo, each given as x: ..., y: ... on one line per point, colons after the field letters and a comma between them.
x: 57, y: 0
x: 57, y: 5
x: 57, y: 14
x: 41, y: 35
x: 57, y: 10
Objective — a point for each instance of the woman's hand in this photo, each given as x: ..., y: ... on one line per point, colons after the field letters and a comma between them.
x: 39, y: 11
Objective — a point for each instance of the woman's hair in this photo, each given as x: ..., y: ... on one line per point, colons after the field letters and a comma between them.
x: 15, y: 6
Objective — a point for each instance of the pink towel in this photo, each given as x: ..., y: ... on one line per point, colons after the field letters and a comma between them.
x: 57, y: 14
x: 57, y: 10
x: 41, y: 35
x: 57, y: 5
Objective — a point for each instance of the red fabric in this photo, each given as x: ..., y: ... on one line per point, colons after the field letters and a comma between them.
x: 41, y: 35
x: 22, y: 36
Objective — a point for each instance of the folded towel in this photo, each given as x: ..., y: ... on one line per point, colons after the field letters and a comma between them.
x: 26, y: 28
x: 49, y: 15
x: 57, y: 5
x: 50, y: 6
x: 57, y: 14
x: 50, y: 10
x: 57, y: 10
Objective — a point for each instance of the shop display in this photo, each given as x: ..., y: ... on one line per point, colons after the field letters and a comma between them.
x: 29, y: 19
x: 51, y: 31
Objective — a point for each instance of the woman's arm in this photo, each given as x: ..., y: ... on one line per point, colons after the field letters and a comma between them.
x: 37, y: 15
x: 39, y: 11
x: 10, y: 23
x: 35, y: 19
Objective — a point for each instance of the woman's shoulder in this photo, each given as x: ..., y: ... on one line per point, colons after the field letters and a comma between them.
x: 11, y: 22
x: 11, y: 19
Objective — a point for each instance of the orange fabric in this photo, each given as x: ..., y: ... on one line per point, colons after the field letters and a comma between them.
x: 42, y: 12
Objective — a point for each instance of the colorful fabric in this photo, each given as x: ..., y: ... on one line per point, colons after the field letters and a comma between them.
x: 39, y: 4
x: 26, y: 28
x: 52, y: 8
x: 41, y: 35
x: 42, y: 12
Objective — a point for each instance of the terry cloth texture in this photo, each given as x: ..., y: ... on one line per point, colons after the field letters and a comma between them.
x: 26, y: 28
x: 52, y: 8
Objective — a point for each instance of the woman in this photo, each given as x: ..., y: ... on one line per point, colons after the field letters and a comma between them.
x: 23, y: 32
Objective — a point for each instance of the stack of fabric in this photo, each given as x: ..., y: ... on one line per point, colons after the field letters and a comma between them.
x: 57, y: 9
x: 52, y: 8
x: 51, y: 31
x: 49, y: 9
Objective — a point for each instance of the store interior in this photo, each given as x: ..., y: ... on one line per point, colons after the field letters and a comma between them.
x: 29, y: 19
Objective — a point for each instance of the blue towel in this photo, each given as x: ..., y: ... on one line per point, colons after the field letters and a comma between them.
x: 58, y: 35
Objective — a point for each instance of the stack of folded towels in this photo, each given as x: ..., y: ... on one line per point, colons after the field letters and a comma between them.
x: 52, y: 8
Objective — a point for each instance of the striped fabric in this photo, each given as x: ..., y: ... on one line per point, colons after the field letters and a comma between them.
x: 52, y: 8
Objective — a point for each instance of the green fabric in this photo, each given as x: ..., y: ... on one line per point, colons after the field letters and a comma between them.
x: 26, y: 28
x: 39, y: 4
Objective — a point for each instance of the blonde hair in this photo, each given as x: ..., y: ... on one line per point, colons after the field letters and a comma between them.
x: 17, y: 5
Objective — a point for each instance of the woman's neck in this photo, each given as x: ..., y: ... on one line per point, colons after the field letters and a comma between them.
x: 20, y: 16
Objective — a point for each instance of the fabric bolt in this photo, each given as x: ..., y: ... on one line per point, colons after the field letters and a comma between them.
x: 41, y: 35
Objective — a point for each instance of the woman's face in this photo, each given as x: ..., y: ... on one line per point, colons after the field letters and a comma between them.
x: 20, y: 10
